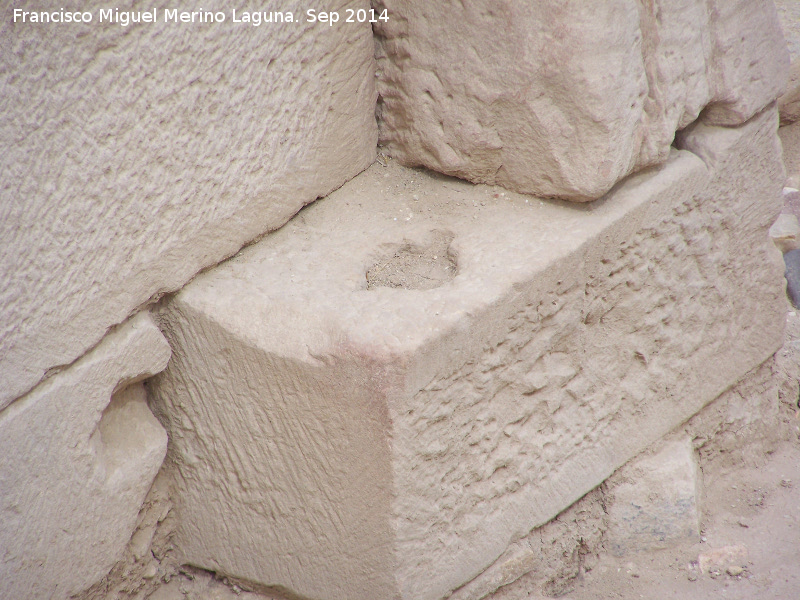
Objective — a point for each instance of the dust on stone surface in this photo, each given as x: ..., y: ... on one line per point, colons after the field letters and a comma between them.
x: 415, y: 266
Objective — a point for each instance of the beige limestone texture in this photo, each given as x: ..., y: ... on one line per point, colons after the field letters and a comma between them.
x: 548, y: 559
x: 339, y: 441
x: 77, y: 457
x: 149, y: 559
x: 790, y: 142
x: 789, y: 103
x: 749, y: 62
x: 564, y: 99
x: 739, y: 428
x: 133, y: 157
x: 655, y: 502
x: 789, y: 15
x: 785, y: 232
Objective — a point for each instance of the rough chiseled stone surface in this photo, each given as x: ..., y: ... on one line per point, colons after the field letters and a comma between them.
x: 343, y: 441
x: 737, y: 428
x: 548, y: 558
x: 789, y: 15
x: 135, y: 156
x: 566, y: 98
x: 77, y: 457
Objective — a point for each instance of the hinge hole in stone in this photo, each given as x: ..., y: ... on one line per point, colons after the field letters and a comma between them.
x: 414, y: 266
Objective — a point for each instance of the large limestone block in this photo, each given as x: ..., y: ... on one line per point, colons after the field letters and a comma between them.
x: 749, y: 61
x: 374, y: 401
x: 77, y: 457
x: 133, y: 157
x: 566, y: 98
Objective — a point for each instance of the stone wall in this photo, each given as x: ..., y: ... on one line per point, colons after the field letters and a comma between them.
x: 386, y: 394
x: 134, y: 157
x: 329, y: 418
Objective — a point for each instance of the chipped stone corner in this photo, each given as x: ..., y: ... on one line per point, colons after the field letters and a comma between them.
x: 78, y: 455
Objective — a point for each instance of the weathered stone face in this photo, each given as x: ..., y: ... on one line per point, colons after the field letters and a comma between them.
x: 749, y: 60
x: 341, y: 441
x: 564, y: 99
x: 77, y: 457
x: 133, y: 157
x: 655, y: 500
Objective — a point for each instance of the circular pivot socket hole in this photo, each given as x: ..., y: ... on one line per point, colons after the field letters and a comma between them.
x: 416, y: 266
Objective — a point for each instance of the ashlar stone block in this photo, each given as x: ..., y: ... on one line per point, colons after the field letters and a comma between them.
x: 376, y: 400
x: 136, y: 156
x: 564, y: 99
x: 77, y: 457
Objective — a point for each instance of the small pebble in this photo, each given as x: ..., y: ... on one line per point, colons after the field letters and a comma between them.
x: 150, y: 572
x: 734, y: 570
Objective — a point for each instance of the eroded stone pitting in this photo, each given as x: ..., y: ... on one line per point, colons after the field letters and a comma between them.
x: 415, y: 266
